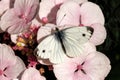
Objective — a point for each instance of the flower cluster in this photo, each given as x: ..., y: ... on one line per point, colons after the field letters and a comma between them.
x: 30, y: 26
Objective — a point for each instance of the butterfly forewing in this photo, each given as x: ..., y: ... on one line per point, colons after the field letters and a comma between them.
x: 74, y: 40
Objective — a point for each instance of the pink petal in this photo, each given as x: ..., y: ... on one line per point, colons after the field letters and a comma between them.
x: 90, y: 14
x: 96, y: 66
x: 44, y: 31
x: 15, y: 70
x: 5, y: 61
x: 49, y: 9
x: 4, y: 5
x: 28, y: 8
x: 99, y: 34
x: 1, y: 29
x: 68, y: 14
x: 14, y: 38
x: 35, y: 22
x: 11, y: 23
x: 28, y: 74
x: 10, y: 64
x: 80, y: 1
x: 18, y: 27
x: 4, y: 78
x: 89, y: 47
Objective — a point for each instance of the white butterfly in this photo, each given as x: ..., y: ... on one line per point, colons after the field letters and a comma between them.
x: 67, y: 42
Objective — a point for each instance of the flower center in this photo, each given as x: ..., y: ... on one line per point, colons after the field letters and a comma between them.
x: 22, y: 16
x: 1, y: 72
x: 79, y: 67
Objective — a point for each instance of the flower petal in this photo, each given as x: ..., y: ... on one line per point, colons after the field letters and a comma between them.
x: 15, y: 70
x: 68, y: 14
x: 44, y: 31
x: 1, y: 29
x: 80, y: 1
x: 96, y: 66
x: 99, y: 34
x: 4, y: 78
x: 28, y: 74
x: 28, y: 8
x: 99, y: 66
x: 90, y: 14
x: 11, y: 23
x: 14, y: 37
x: 6, y: 61
x: 49, y: 9
x: 4, y: 5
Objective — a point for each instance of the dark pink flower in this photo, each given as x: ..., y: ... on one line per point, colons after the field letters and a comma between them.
x: 10, y: 65
x: 94, y: 66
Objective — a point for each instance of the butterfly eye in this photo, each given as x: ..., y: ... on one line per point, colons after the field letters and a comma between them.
x: 83, y: 35
x: 43, y: 51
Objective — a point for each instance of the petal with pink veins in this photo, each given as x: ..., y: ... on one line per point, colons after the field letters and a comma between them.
x: 68, y: 14
x: 26, y: 8
x: 49, y: 9
x: 18, y: 19
x: 10, y: 65
x: 15, y: 69
x: 12, y: 23
x: 4, y: 5
x: 99, y: 34
x: 44, y: 31
x: 95, y: 66
x: 90, y: 14
x: 32, y: 74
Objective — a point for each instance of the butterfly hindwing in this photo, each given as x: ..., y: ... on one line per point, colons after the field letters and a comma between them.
x: 51, y: 49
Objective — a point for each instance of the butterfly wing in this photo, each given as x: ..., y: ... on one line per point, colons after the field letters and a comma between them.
x: 51, y: 49
x: 74, y: 40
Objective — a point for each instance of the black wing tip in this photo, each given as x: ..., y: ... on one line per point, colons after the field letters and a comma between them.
x: 90, y: 29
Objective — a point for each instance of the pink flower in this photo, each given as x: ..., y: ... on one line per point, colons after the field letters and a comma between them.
x: 95, y: 66
x: 10, y: 65
x: 49, y: 8
x: 32, y: 74
x: 19, y: 18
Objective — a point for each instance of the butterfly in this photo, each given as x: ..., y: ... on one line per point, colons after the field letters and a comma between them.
x: 61, y: 43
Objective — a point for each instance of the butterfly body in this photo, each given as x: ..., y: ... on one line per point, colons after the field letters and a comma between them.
x: 61, y: 43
